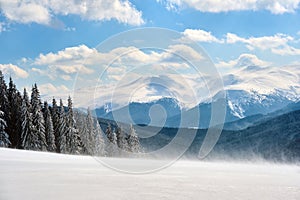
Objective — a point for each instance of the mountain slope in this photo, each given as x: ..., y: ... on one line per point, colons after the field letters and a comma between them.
x: 275, y: 139
x: 151, y: 113
x: 259, y: 118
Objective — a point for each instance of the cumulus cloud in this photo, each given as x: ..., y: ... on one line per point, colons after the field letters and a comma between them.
x: 49, y: 88
x: 275, y: 6
x: 13, y: 70
x: 84, y: 60
x: 266, y: 80
x: 42, y: 12
x: 244, y: 60
x: 278, y: 43
x: 199, y: 35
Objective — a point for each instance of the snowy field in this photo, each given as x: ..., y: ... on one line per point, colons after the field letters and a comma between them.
x: 41, y: 176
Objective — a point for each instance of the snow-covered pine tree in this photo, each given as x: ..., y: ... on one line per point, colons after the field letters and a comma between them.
x: 111, y: 147
x: 56, y: 121
x: 14, y: 123
x: 49, y: 130
x: 3, y: 98
x: 121, y: 140
x: 29, y: 136
x: 81, y: 125
x: 90, y: 145
x: 99, y: 141
x: 4, y: 138
x: 72, y: 135
x: 133, y: 141
x: 38, y: 118
x: 62, y: 130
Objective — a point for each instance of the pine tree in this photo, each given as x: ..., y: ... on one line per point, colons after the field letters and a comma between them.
x: 62, y: 130
x: 29, y: 136
x: 14, y: 124
x: 112, y: 141
x: 81, y: 125
x: 121, y: 140
x: 99, y: 141
x: 38, y: 118
x: 4, y: 138
x: 56, y: 123
x: 90, y: 133
x: 133, y: 141
x: 49, y: 131
x: 3, y: 98
x: 72, y: 135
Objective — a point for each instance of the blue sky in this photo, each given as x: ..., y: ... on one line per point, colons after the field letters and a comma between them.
x: 263, y: 32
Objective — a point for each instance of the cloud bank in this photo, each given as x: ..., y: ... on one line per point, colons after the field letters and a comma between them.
x: 44, y: 11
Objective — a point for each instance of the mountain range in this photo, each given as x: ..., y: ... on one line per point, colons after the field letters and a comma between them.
x: 167, y: 112
x: 251, y: 92
x: 272, y: 137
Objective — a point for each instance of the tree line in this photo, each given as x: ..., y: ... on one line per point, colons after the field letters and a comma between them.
x: 27, y: 123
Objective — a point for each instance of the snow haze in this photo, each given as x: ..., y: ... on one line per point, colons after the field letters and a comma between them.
x: 30, y: 175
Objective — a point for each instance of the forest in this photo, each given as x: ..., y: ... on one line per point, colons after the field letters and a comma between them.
x: 30, y: 124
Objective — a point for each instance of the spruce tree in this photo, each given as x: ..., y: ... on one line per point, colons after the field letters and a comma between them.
x: 14, y: 124
x: 38, y: 118
x: 121, y: 140
x: 49, y: 130
x: 90, y: 133
x: 133, y: 141
x: 29, y: 137
x: 56, y: 121
x: 4, y: 138
x: 99, y: 141
x: 62, y: 130
x: 3, y: 98
x: 72, y: 135
x: 112, y: 141
x: 81, y: 125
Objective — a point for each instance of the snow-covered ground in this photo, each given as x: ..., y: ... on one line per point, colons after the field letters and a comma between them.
x: 32, y: 175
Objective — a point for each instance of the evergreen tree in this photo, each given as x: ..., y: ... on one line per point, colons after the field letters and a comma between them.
x: 4, y: 138
x: 56, y: 123
x: 49, y: 130
x: 14, y: 123
x: 29, y: 136
x: 3, y: 98
x: 72, y: 135
x: 80, y: 119
x: 121, y: 140
x: 99, y: 141
x: 112, y: 141
x: 90, y: 133
x: 133, y: 141
x: 38, y: 118
x: 62, y: 130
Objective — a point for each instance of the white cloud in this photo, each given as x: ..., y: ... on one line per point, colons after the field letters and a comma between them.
x: 13, y: 70
x: 65, y: 62
x: 184, y: 51
x: 200, y: 36
x: 49, y: 88
x: 87, y: 60
x: 43, y: 11
x: 22, y: 12
x: 278, y: 43
x: 244, y: 60
x: 274, y: 6
x: 266, y: 80
x: 75, y: 54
